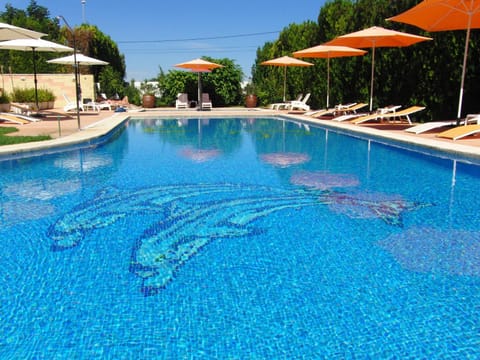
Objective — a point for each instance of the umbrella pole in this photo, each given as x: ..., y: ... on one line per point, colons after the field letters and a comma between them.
x: 35, y: 76
x: 284, y: 82
x: 464, y: 69
x: 328, y: 81
x: 371, y: 81
x: 199, y: 91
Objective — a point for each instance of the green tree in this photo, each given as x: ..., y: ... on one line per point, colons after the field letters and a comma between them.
x: 268, y: 80
x: 92, y: 42
x: 223, y: 84
x: 89, y: 41
x: 111, y: 82
x: 427, y: 73
x: 35, y: 17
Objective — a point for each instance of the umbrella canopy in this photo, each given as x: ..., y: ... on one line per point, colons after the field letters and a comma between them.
x: 34, y: 45
x: 199, y: 66
x: 442, y: 15
x: 327, y: 52
x: 10, y: 32
x: 75, y: 60
x: 285, y: 61
x: 80, y: 59
x: 374, y: 37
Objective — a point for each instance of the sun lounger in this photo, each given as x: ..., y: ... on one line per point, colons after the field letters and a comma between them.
x: 70, y: 105
x: 365, y: 118
x: 348, y: 117
x: 286, y: 104
x: 348, y: 109
x: 402, y: 115
x: 338, y: 110
x: 97, y: 106
x: 460, y: 132
x: 27, y: 117
x: 182, y: 101
x: 13, y: 119
x: 206, y: 102
x: 301, y: 105
x: 21, y: 108
x: 421, y: 128
x: 390, y: 109
x: 321, y: 112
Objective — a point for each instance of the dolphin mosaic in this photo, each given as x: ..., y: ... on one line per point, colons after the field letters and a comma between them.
x: 186, y: 218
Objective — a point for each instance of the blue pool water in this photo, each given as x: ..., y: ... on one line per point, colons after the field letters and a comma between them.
x: 239, y: 239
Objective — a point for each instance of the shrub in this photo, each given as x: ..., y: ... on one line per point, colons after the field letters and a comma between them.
x: 45, y: 95
x: 4, y: 98
x: 23, y: 95
x: 28, y: 95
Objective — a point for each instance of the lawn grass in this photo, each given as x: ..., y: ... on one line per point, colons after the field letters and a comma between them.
x: 9, y: 140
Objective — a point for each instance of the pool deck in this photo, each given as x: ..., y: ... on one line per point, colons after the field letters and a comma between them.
x: 64, y: 130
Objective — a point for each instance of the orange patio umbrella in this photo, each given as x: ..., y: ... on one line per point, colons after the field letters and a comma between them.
x: 375, y: 37
x: 442, y: 15
x: 285, y: 61
x: 199, y: 66
x: 327, y: 52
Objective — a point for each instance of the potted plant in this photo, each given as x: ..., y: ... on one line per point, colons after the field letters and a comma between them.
x: 4, y: 102
x: 148, y: 90
x: 250, y: 97
x: 46, y: 99
x: 25, y: 97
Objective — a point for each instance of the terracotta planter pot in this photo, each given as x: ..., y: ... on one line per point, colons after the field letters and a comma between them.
x: 148, y: 101
x: 5, y: 107
x: 251, y: 101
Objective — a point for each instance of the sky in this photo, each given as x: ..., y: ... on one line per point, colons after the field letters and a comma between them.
x: 155, y: 33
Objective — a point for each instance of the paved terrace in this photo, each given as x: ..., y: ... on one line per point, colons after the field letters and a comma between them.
x: 64, y: 130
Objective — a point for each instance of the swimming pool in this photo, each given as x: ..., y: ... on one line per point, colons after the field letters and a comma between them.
x: 239, y: 238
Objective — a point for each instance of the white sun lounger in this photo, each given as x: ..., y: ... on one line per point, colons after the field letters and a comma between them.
x: 285, y: 105
x: 13, y: 119
x: 421, y: 128
x: 348, y: 117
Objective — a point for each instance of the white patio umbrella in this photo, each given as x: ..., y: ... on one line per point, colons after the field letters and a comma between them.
x: 80, y: 59
x: 34, y: 45
x: 11, y: 32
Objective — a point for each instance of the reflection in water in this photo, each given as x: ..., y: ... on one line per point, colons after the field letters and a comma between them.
x: 199, y: 155
x: 78, y: 163
x: 366, y: 205
x: 13, y: 212
x: 42, y: 189
x: 284, y: 160
x: 422, y: 249
x: 323, y: 180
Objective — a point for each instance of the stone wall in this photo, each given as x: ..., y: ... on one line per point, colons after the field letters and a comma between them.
x: 58, y: 83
